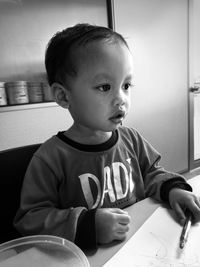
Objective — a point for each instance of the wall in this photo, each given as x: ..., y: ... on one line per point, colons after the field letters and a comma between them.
x: 157, y: 34
x: 194, y: 41
x: 25, y: 28
x: 194, y: 76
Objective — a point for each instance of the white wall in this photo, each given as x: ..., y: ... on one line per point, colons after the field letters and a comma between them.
x: 194, y: 76
x: 25, y: 28
x: 194, y: 41
x: 157, y: 34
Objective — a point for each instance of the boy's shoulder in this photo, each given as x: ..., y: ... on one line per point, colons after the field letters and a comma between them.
x: 132, y: 135
x: 128, y: 132
x: 50, y: 145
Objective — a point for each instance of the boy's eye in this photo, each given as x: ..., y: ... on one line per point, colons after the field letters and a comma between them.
x: 104, y: 87
x: 127, y: 86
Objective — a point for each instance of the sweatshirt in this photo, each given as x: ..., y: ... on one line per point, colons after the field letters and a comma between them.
x: 66, y: 182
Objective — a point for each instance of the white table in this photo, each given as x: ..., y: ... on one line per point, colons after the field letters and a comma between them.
x: 139, y: 213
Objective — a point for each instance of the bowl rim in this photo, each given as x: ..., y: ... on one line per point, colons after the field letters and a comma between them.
x: 50, y: 239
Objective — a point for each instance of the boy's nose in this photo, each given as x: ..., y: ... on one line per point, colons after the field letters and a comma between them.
x: 119, y: 99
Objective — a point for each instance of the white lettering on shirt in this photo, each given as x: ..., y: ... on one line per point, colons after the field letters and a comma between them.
x: 84, y: 178
x: 117, y: 184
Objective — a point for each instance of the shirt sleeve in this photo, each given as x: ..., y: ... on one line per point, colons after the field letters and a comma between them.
x: 40, y: 211
x: 86, y: 231
x: 173, y: 183
x: 154, y: 175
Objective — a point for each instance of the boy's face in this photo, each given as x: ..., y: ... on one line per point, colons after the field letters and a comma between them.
x: 99, y: 96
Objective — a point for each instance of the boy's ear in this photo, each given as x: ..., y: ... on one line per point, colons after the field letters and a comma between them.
x: 60, y: 94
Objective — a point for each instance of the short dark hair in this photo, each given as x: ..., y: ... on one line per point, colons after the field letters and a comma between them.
x: 58, y: 61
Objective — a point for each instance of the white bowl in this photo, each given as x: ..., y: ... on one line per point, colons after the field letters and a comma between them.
x: 41, y: 251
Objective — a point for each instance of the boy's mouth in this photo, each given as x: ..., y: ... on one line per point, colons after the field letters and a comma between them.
x: 118, y: 117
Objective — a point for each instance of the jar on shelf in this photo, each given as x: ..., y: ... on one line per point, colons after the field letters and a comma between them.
x: 3, y: 97
x: 17, y: 92
x: 35, y: 92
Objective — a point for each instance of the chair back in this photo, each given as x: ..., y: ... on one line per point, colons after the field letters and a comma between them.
x: 13, y: 165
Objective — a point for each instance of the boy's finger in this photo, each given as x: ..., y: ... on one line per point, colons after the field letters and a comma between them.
x: 180, y: 213
x: 123, y: 218
x: 195, y: 210
x: 197, y: 201
x: 119, y: 211
x: 120, y: 236
x: 122, y: 228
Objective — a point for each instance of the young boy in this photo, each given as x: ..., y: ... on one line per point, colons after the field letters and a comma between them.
x: 79, y: 181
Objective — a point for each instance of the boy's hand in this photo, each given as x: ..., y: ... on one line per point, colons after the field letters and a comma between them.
x: 111, y: 224
x: 180, y: 200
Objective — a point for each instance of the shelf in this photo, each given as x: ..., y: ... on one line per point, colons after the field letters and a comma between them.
x: 28, y: 106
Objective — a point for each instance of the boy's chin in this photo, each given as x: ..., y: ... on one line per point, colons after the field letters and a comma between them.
x: 116, y: 126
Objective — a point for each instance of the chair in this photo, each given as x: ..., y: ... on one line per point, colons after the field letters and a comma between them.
x: 13, y: 165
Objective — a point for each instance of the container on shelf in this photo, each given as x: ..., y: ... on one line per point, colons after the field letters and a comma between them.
x: 17, y: 92
x: 48, y: 95
x: 3, y: 97
x: 35, y: 92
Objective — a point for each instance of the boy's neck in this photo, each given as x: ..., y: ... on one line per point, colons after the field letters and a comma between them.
x: 88, y: 137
